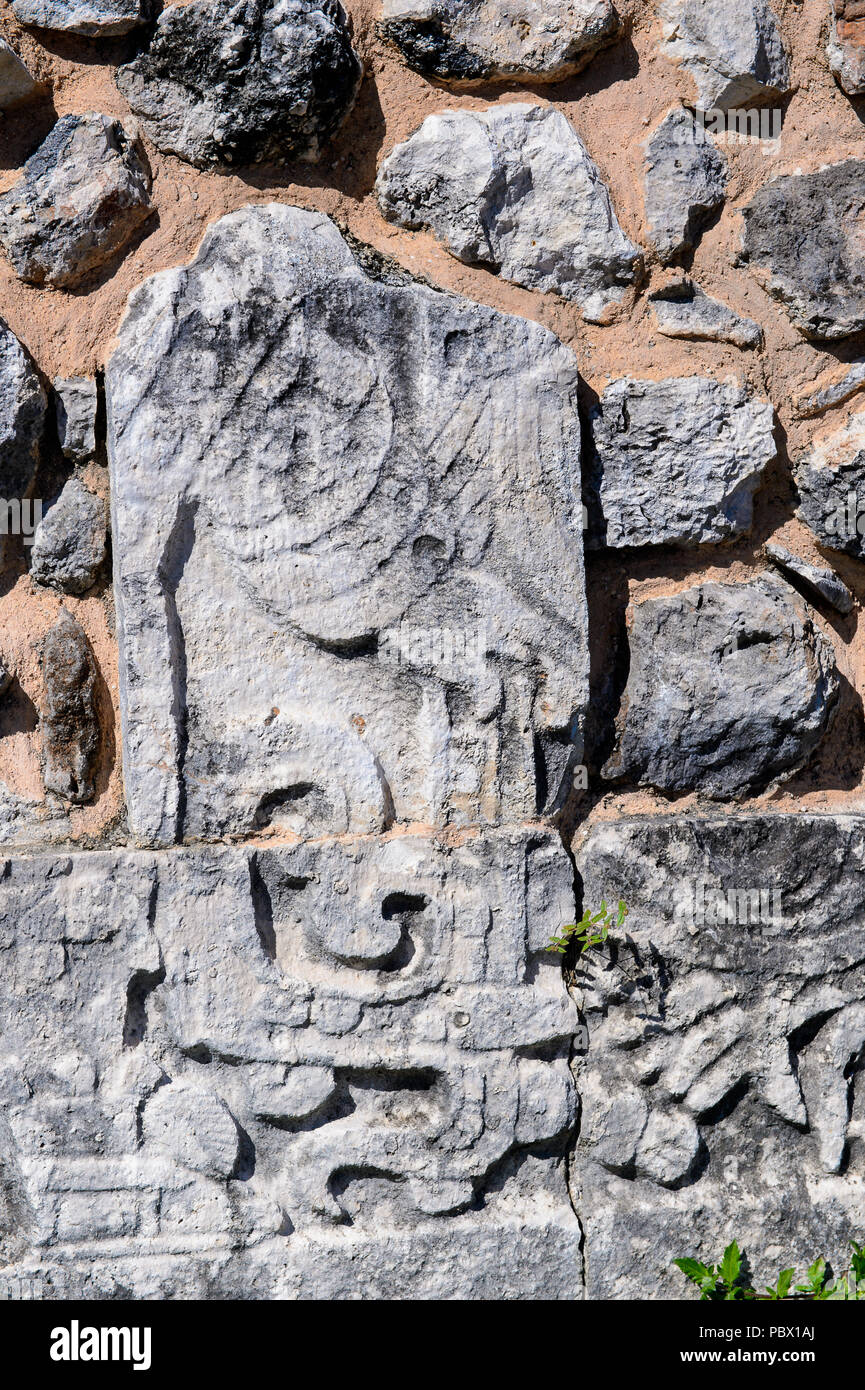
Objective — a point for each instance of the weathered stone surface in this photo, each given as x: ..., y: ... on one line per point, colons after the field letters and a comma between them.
x: 846, y: 47
x: 803, y: 238
x: 69, y: 545
x: 90, y: 17
x: 77, y: 405
x: 515, y: 188
x: 686, y: 178
x: 70, y: 720
x: 377, y: 483
x: 831, y: 482
x: 729, y: 1019
x: 229, y: 83
x: 16, y: 83
x: 822, y: 397
x: 735, y: 52
x: 465, y: 41
x: 683, y: 310
x: 676, y: 461
x: 22, y: 417
x: 821, y: 581
x: 252, y: 1110
x: 731, y: 688
x: 83, y: 194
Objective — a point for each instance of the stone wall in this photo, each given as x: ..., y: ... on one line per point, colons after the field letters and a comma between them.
x: 434, y: 461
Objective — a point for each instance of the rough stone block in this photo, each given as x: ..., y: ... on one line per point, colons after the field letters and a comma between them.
x: 270, y: 1114
x: 722, y: 1090
x: 380, y: 485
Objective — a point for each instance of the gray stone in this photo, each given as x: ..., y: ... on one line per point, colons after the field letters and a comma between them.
x: 16, y: 83
x: 83, y: 195
x: 726, y: 1034
x: 683, y: 310
x: 70, y: 722
x: 228, y: 83
x: 822, y: 398
x: 77, y: 405
x: 822, y: 582
x: 69, y: 545
x: 846, y: 47
x: 735, y: 52
x: 513, y: 187
x: 95, y: 18
x: 194, y: 1129
x: 466, y: 41
x: 686, y: 178
x: 22, y: 417
x: 204, y: 1098
x: 803, y: 239
x: 831, y: 482
x: 676, y: 461
x: 731, y: 688
x: 375, y: 482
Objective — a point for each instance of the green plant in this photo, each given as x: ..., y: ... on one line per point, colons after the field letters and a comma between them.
x: 591, y: 930
x: 717, y: 1283
x: 783, y: 1286
x: 852, y: 1284
x: 817, y: 1276
x: 726, y: 1282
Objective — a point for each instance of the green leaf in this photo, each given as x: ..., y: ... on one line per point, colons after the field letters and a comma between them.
x: 816, y: 1277
x: 782, y: 1288
x: 694, y: 1270
x: 731, y: 1264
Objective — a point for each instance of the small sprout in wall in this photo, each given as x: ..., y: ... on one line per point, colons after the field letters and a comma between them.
x: 592, y: 929
x: 726, y: 1281
x: 718, y: 1283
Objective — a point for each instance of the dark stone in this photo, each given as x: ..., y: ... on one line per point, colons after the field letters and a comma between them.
x: 229, y: 83
x: 22, y: 417
x: 70, y: 724
x: 82, y: 196
x: 731, y: 688
x: 803, y: 238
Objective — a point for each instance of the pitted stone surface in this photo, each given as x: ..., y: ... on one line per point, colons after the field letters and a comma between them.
x: 248, y: 1114
x: 377, y: 482
x: 819, y: 580
x: 22, y: 416
x: 93, y: 18
x: 686, y: 180
x: 70, y: 720
x: 731, y: 688
x: 16, y: 82
x: 228, y: 83
x: 77, y: 405
x: 69, y: 545
x: 735, y: 52
x: 676, y: 461
x: 822, y: 396
x: 83, y: 195
x: 803, y: 240
x: 683, y: 310
x: 513, y: 187
x: 726, y: 1037
x: 846, y: 47
x: 831, y: 482
x: 466, y: 41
